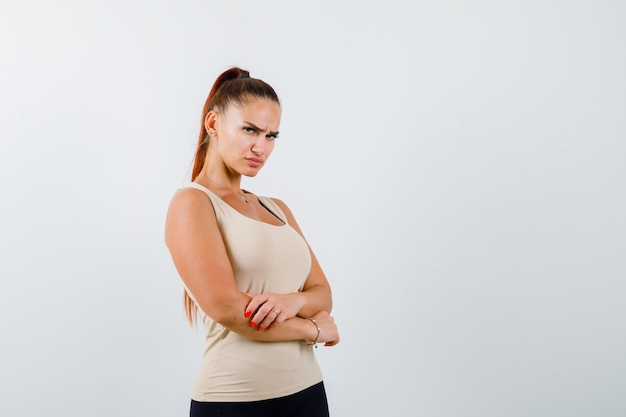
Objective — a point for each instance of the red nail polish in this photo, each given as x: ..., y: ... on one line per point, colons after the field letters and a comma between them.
x: 252, y: 324
x: 259, y: 328
x: 248, y: 313
x: 269, y: 327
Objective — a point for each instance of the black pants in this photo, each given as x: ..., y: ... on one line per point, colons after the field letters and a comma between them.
x: 310, y: 402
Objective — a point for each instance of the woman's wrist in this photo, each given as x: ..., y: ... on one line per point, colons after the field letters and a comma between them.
x: 312, y: 341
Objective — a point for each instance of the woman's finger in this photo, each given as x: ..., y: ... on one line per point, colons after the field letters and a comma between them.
x: 254, y: 304
x: 267, y: 315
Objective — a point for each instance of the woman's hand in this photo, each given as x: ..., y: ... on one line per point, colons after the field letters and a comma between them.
x: 269, y: 309
x: 329, y: 334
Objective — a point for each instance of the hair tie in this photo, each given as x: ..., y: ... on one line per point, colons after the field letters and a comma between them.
x: 244, y: 74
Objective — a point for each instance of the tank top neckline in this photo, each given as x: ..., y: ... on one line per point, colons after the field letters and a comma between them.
x: 201, y: 187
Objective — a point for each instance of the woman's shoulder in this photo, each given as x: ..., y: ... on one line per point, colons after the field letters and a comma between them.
x: 188, y: 199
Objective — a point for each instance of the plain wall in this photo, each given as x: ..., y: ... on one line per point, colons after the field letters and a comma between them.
x: 458, y: 168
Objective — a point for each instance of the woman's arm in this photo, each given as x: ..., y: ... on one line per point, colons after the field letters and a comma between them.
x: 316, y: 295
x: 199, y: 254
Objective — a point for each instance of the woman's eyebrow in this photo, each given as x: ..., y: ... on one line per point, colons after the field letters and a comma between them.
x: 252, y: 125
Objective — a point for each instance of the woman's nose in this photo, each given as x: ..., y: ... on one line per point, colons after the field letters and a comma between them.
x: 258, y: 147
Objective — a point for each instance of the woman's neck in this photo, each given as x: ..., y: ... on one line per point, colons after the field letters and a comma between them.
x: 220, y: 181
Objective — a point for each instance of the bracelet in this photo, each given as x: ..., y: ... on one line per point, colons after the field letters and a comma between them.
x: 319, y: 332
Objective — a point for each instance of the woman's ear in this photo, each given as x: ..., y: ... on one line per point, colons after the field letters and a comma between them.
x: 210, y: 123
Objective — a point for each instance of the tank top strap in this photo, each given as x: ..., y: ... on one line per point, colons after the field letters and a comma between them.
x: 212, y: 196
x: 274, y: 208
x: 266, y: 202
x: 198, y: 187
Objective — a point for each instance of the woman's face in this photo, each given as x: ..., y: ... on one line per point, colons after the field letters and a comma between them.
x: 246, y: 134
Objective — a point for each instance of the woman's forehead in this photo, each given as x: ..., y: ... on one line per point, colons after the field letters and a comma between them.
x: 255, y: 109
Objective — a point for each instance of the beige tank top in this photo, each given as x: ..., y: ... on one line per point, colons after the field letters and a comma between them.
x: 265, y: 258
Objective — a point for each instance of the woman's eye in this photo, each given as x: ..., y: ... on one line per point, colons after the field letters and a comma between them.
x: 248, y: 129
x: 271, y: 137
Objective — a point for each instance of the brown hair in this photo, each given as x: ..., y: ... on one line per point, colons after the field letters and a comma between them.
x: 233, y: 86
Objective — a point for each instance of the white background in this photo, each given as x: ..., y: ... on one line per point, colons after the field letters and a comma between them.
x: 458, y: 168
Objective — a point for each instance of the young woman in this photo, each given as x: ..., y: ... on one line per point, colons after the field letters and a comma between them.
x: 249, y: 274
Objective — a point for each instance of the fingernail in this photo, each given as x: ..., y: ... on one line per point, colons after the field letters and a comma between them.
x: 259, y: 328
x: 252, y: 324
x: 248, y: 313
x: 269, y: 327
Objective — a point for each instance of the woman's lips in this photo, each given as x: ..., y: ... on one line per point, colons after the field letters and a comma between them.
x: 254, y: 162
